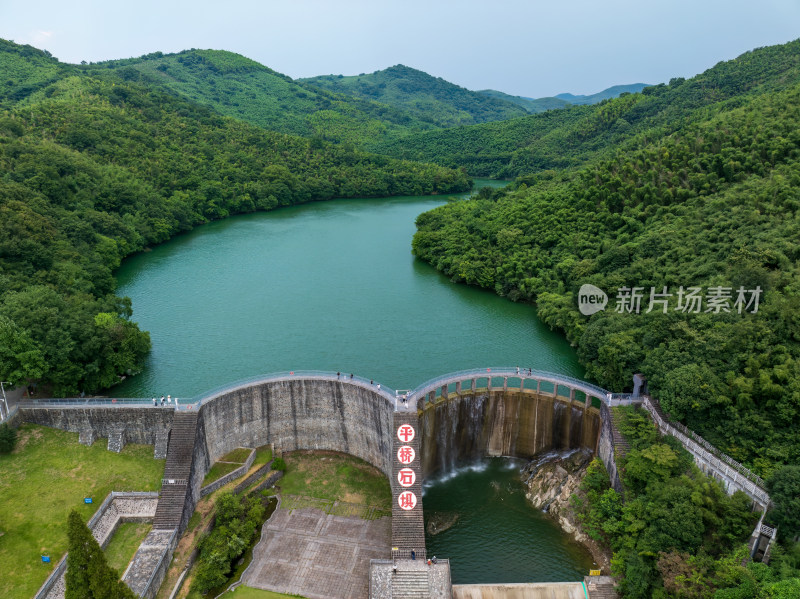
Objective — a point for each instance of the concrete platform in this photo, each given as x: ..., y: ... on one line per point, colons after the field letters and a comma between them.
x: 317, y: 555
x: 537, y: 590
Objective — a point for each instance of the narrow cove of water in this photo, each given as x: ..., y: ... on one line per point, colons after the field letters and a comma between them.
x: 323, y: 286
x: 497, y: 536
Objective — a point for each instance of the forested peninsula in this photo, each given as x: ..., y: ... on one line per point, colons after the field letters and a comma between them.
x: 94, y: 167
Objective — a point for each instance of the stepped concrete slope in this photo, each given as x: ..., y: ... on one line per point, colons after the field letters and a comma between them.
x: 408, y: 527
x: 177, y: 470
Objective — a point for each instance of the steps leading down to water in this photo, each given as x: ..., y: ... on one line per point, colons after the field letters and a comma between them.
x: 176, y: 471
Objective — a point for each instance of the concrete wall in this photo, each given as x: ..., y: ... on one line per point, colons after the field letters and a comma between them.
x: 605, y: 448
x: 516, y: 423
x: 140, y: 424
x: 537, y: 590
x: 299, y: 414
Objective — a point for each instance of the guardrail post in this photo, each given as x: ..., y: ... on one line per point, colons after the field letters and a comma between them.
x: 474, y: 385
x: 458, y: 387
x: 505, y: 384
x: 445, y: 392
x: 489, y: 383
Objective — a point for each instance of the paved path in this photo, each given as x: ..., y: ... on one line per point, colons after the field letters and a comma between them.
x: 317, y: 555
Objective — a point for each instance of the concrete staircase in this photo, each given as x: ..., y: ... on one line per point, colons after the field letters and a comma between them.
x: 410, y: 585
x: 408, y: 527
x: 177, y: 470
x: 600, y: 587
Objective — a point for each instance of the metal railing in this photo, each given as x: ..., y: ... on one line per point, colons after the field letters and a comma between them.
x: 720, y: 461
x: 373, y: 385
x: 523, y: 373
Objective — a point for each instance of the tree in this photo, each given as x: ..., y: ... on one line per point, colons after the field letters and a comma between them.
x: 8, y: 438
x: 88, y: 574
x: 784, y: 489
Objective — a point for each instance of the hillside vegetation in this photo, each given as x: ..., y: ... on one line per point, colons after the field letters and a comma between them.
x: 535, y: 105
x: 577, y: 135
x: 430, y: 99
x: 238, y: 87
x: 713, y: 203
x: 93, y: 169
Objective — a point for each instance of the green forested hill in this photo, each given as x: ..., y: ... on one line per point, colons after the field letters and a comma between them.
x: 536, y: 105
x: 713, y: 204
x: 24, y: 69
x: 575, y: 135
x: 94, y: 169
x: 242, y: 88
x: 431, y: 99
x: 532, y: 105
x: 611, y: 92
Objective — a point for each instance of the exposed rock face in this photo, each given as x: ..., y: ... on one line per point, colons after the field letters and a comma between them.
x: 438, y: 522
x: 552, y: 479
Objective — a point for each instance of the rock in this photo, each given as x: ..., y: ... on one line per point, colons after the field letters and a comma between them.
x: 439, y: 522
x: 551, y: 480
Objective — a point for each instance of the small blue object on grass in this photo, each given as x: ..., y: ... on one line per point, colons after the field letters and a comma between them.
x: 46, y: 559
x: 87, y: 500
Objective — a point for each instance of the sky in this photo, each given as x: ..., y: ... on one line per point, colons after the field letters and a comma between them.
x: 530, y: 48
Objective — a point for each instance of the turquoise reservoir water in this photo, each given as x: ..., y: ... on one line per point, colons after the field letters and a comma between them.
x: 323, y: 286
x: 333, y: 286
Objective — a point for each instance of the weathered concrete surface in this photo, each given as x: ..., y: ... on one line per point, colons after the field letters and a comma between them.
x: 150, y: 562
x: 144, y: 424
x: 410, y: 578
x: 301, y: 414
x: 539, y: 590
x: 317, y: 555
x: 607, y: 445
x: 522, y: 424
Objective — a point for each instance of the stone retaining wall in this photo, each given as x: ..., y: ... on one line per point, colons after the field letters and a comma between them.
x: 116, y: 508
x: 145, y: 425
x: 253, y: 478
x: 233, y: 475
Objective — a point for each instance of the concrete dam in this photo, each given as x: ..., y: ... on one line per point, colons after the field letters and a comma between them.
x: 461, y: 416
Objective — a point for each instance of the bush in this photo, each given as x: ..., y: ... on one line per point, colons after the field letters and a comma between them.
x: 8, y: 438
x: 279, y: 464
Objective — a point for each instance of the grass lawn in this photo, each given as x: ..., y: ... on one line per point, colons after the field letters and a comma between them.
x: 47, y: 475
x: 125, y: 542
x: 218, y: 470
x: 335, y: 476
x: 263, y: 455
x: 243, y: 592
x: 238, y: 455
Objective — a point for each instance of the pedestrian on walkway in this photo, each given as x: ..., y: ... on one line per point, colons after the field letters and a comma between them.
x: 169, y: 400
x: 162, y: 401
x: 338, y: 374
x: 155, y: 401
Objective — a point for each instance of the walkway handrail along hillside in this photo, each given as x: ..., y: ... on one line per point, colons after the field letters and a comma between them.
x: 697, y: 445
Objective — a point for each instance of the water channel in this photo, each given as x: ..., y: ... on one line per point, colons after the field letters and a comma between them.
x: 333, y: 286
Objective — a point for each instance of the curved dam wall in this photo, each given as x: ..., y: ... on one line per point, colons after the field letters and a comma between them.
x: 476, y: 423
x: 296, y: 414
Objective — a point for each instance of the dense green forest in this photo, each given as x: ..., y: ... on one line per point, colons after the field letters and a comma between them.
x: 536, y: 105
x: 575, y: 135
x: 429, y: 98
x: 94, y: 168
x: 714, y: 203
x: 244, y: 89
x: 676, y: 533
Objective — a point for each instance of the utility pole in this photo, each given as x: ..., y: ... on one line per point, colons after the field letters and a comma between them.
x: 3, y: 390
